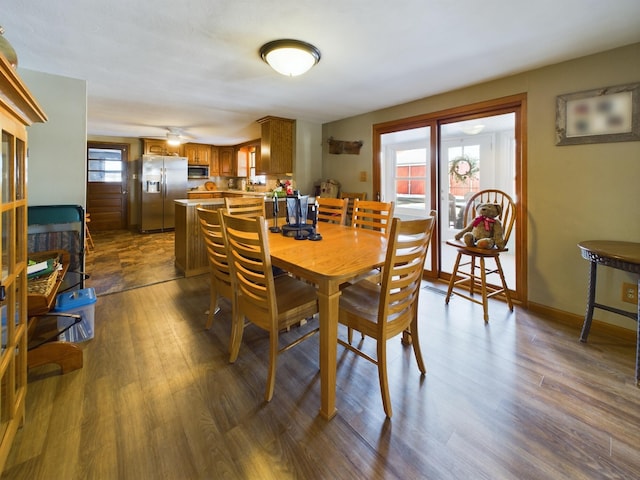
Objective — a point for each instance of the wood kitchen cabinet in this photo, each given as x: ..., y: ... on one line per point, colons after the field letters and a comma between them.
x: 214, y: 162
x: 18, y: 110
x: 197, y: 154
x: 226, y: 159
x: 276, y: 148
x: 158, y: 146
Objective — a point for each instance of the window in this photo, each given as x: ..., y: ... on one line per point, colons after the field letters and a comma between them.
x: 104, y: 165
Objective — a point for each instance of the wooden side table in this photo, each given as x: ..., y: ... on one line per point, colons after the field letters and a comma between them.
x: 622, y: 256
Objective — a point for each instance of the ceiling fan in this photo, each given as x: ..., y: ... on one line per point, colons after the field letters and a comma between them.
x: 175, y: 136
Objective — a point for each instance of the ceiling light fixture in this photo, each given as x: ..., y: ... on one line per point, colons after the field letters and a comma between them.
x: 174, y: 138
x: 290, y: 57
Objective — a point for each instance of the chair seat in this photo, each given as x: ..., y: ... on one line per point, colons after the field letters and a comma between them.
x: 484, y: 252
x: 296, y: 300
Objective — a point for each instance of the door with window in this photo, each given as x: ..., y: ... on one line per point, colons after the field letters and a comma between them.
x: 439, y: 161
x: 107, y: 185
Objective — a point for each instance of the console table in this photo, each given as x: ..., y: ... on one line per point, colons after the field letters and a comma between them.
x: 622, y: 256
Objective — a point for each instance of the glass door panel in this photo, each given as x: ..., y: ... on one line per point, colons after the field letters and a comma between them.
x: 475, y: 155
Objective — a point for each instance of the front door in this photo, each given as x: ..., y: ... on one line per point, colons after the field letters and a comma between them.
x: 107, y: 185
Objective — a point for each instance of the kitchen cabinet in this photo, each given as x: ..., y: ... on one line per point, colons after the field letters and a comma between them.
x: 18, y: 110
x: 214, y: 162
x: 158, y: 146
x: 199, y: 194
x: 197, y: 154
x: 226, y: 158
x: 276, y: 146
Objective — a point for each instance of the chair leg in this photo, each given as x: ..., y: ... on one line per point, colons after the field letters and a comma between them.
x: 504, y: 284
x: 382, y: 376
x: 452, y: 281
x: 273, y: 360
x: 237, y: 329
x: 415, y: 342
x: 483, y: 290
x: 213, y: 305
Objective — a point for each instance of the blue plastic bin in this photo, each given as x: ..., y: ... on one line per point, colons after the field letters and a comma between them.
x: 83, y: 303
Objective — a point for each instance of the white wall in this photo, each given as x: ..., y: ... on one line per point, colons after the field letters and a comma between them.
x: 307, y: 164
x: 56, y: 169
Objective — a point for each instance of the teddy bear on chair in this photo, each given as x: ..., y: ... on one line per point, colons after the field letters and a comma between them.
x: 484, y: 231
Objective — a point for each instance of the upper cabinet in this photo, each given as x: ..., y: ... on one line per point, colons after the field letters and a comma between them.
x: 226, y: 159
x: 153, y: 146
x: 197, y: 153
x: 276, y: 148
x: 214, y: 163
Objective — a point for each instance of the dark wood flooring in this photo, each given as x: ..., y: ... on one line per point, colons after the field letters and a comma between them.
x: 123, y: 259
x: 518, y: 398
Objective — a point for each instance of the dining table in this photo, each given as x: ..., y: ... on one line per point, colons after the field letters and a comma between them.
x: 343, y: 254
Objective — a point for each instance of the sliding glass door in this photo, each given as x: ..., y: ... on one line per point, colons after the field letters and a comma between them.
x: 438, y: 161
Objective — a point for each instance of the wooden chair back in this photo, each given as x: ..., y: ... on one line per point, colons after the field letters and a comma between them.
x: 507, y: 217
x: 271, y: 303
x: 351, y: 196
x: 245, y: 206
x: 373, y: 215
x: 332, y: 210
x: 217, y: 255
x: 383, y: 311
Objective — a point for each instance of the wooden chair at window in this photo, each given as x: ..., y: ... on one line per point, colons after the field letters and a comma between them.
x: 247, y: 206
x: 470, y: 276
x: 385, y: 310
x: 217, y: 256
x: 351, y: 197
x: 332, y: 210
x: 271, y: 303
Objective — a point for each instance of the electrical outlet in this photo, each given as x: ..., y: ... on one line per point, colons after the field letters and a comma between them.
x: 630, y: 293
x: 363, y: 176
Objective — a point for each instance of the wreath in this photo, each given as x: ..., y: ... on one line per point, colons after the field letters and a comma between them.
x: 463, y: 168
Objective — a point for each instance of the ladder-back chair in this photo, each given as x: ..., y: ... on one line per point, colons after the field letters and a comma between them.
x: 385, y: 310
x: 271, y: 303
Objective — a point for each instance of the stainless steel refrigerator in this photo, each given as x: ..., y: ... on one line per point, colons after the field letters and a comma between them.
x: 162, y: 180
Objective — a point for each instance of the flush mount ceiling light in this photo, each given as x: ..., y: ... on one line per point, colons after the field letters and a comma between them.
x: 290, y: 57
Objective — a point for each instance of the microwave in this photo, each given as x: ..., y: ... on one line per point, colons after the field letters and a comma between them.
x: 198, y: 171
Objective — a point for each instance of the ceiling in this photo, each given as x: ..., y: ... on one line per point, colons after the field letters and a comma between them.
x: 194, y: 64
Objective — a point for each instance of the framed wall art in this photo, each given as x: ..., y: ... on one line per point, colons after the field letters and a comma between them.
x: 610, y: 114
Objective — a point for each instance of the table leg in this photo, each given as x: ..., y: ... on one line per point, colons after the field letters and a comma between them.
x: 586, y: 326
x: 328, y: 304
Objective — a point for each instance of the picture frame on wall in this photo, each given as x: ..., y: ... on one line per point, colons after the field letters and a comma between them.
x: 610, y: 114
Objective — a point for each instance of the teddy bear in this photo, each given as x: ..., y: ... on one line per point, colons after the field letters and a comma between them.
x: 484, y: 231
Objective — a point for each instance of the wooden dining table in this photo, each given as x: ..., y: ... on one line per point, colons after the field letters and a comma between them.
x: 344, y: 253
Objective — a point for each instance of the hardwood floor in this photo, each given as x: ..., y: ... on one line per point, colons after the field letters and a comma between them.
x: 519, y: 398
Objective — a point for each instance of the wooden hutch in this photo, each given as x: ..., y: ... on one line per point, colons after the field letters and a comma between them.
x: 18, y: 110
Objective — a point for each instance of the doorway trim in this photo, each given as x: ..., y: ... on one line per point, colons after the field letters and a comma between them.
x: 514, y: 103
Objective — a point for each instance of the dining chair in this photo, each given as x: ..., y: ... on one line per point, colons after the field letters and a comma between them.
x: 271, y: 303
x: 247, y: 206
x: 351, y: 196
x: 332, y: 210
x: 390, y: 308
x: 465, y: 281
x: 217, y: 255
x: 372, y: 214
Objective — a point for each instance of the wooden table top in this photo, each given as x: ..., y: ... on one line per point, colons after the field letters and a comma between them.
x: 343, y: 253
x: 628, y: 252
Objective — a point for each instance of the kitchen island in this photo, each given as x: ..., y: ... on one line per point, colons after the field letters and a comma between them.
x: 190, y: 249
